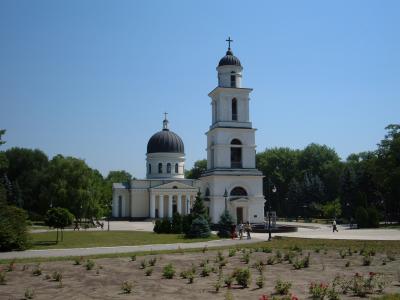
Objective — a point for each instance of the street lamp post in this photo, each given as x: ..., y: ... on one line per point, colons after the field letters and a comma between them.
x: 226, y: 199
x: 109, y: 216
x: 269, y: 214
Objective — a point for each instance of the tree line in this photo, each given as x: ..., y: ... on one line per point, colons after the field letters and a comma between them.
x: 315, y: 183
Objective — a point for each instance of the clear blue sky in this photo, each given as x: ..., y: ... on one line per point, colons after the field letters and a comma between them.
x: 92, y: 79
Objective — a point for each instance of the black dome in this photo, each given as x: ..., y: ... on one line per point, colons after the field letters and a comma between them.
x: 229, y: 60
x: 165, y: 141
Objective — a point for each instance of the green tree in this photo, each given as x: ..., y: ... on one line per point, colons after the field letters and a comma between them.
x: 59, y: 218
x: 199, y: 209
x: 332, y: 209
x: 13, y: 228
x: 199, y: 167
x: 224, y: 225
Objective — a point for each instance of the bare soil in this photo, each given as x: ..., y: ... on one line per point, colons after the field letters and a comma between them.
x: 105, y: 279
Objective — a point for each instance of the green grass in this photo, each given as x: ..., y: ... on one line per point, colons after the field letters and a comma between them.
x: 276, y: 243
x: 86, y: 239
x: 389, y: 297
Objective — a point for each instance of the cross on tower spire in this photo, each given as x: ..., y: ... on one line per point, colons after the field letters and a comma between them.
x: 229, y: 42
x: 165, y: 122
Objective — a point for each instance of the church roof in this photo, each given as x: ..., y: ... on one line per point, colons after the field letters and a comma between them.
x: 229, y: 59
x: 165, y: 141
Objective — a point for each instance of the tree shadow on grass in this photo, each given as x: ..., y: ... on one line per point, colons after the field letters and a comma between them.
x: 44, y: 243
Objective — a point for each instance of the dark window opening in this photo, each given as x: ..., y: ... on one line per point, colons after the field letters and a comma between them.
x: 234, y: 110
x: 160, y: 168
x: 149, y: 168
x: 168, y: 168
x: 176, y: 168
x: 238, y: 192
x: 236, y: 154
x: 233, y: 81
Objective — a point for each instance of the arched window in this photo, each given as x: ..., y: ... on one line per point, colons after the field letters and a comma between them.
x: 238, y: 192
x: 233, y: 80
x: 236, y: 154
x: 160, y: 168
x: 168, y: 168
x: 149, y: 168
x: 234, y: 110
x: 176, y: 168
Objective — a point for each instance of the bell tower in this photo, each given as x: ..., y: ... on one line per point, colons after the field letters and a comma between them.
x: 231, y: 148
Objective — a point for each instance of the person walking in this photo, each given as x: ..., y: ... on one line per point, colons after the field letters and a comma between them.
x: 241, y: 230
x: 248, y: 228
x: 334, y: 226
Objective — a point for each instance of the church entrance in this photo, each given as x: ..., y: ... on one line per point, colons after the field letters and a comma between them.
x: 239, y: 215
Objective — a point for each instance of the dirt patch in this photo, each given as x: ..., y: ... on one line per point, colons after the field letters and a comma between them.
x: 105, y: 279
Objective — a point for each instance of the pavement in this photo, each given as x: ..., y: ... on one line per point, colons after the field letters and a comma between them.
x: 306, y: 230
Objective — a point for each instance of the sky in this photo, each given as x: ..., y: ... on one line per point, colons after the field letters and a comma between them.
x: 92, y: 79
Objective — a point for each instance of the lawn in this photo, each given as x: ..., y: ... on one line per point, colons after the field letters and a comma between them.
x: 85, y: 239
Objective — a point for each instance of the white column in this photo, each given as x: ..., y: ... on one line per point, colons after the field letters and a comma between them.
x: 152, y: 205
x: 161, y: 206
x: 179, y: 203
x: 170, y: 206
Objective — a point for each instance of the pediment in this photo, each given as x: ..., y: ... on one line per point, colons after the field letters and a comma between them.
x: 174, y: 185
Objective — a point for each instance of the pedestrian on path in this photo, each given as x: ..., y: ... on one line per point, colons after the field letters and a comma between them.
x: 334, y: 226
x: 241, y: 230
x: 248, y: 229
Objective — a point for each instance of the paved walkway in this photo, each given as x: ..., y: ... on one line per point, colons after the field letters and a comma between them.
x: 316, y: 231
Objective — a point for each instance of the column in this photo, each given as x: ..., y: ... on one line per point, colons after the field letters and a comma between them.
x: 161, y: 206
x: 188, y: 204
x: 170, y: 206
x: 152, y: 205
x: 179, y: 203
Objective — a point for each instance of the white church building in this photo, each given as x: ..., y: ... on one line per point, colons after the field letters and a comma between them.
x: 231, y: 180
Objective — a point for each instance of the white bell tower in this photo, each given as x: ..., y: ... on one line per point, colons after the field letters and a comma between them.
x: 231, y: 148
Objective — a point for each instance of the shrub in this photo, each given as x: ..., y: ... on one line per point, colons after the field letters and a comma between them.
x: 232, y: 252
x: 282, y: 287
x: 332, y: 294
x: 224, y: 225
x: 190, y: 278
x: 367, y: 260
x: 317, y: 290
x: 133, y: 257
x: 243, y: 277
x: 57, y: 276
x: 347, y: 264
x: 246, y: 257
x: 205, y: 271
x: 169, y: 271
x: 149, y: 271
x: 259, y: 265
x: 3, y: 279
x: 260, y: 281
x: 228, y: 280
x: 11, y: 266
x: 270, y: 260
x: 199, y: 228
x: 217, y: 285
x: 89, y: 264
x: 13, y: 228
x: 152, y: 262
x: 289, y: 256
x: 143, y: 264
x: 37, y: 271
x: 342, y: 253
x: 29, y: 293
x: 126, y: 287
x: 78, y: 261
x: 176, y: 225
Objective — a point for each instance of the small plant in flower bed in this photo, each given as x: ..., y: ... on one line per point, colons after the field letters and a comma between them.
x: 218, y: 285
x: 342, y: 253
x: 282, y: 287
x: 318, y: 290
x: 89, y: 264
x: 232, y: 252
x: 127, y: 287
x: 243, y: 277
x: 270, y: 260
x: 246, y: 257
x: 278, y: 256
x: 289, y: 256
x: 296, y: 248
x: 220, y: 256
x: 3, y: 279
x: 205, y: 271
x: 204, y: 262
x: 302, y: 263
x: 266, y: 250
x: 152, y: 262
x: 11, y: 266
x: 228, y: 280
x: 363, y: 285
x: 259, y: 265
x: 260, y: 281
x: 143, y: 264
x: 190, y: 278
x: 29, y: 293
x: 222, y: 263
x: 169, y: 271
x: 390, y: 256
x: 78, y: 261
x: 37, y: 271
x: 367, y: 260
x: 347, y: 264
x: 148, y: 271
x: 133, y: 257
x: 57, y: 276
